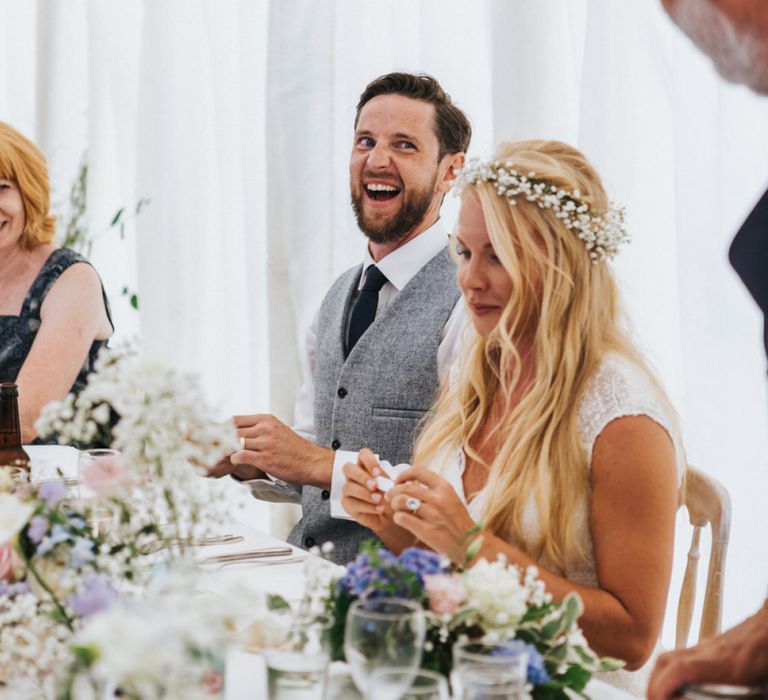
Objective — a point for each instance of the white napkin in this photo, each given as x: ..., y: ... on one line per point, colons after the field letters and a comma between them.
x: 48, y: 459
x: 385, y: 483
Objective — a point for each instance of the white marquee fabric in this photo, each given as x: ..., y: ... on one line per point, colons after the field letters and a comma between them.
x: 234, y: 119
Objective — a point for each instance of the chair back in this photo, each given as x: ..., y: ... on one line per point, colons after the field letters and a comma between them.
x: 707, y: 503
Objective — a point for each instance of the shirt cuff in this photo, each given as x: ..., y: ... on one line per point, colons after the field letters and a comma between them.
x: 340, y: 458
x: 273, y: 491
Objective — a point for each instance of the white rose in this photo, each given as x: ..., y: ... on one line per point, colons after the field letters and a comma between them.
x: 14, y: 515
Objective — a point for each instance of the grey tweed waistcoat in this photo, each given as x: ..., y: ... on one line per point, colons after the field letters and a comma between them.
x: 375, y: 397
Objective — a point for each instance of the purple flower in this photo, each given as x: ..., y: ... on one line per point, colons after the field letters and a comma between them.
x: 97, y: 595
x: 38, y: 526
x: 13, y: 589
x: 53, y: 491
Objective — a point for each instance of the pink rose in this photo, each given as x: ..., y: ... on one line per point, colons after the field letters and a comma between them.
x: 11, y: 565
x: 446, y: 593
x: 107, y: 475
x: 212, y: 682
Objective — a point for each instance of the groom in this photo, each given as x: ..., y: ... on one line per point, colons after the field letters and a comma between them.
x: 387, y: 330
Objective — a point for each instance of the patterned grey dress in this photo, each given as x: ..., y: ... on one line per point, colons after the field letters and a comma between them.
x: 17, y: 333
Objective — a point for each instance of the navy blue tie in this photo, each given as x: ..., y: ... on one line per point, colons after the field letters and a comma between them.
x: 364, y: 308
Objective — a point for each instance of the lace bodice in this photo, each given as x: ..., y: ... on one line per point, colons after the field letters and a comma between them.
x: 618, y: 388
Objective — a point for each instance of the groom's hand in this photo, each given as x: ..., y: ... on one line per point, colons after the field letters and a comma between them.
x: 269, y: 445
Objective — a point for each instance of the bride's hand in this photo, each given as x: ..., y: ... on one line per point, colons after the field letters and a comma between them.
x: 439, y: 519
x: 361, y: 497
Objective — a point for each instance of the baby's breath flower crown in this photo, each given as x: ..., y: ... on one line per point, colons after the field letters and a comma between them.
x: 601, y: 235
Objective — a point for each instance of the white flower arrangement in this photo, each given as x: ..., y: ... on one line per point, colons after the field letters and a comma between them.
x: 32, y: 643
x: 602, y: 234
x: 499, y: 597
x: 489, y: 601
x: 154, y: 648
x: 60, y: 570
x: 165, y: 430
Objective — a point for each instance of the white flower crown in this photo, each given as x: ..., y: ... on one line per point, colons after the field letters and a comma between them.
x: 602, y: 235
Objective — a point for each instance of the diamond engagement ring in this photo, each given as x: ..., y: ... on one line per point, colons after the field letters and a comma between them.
x: 413, y: 504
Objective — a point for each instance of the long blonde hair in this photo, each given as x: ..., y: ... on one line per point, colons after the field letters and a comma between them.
x: 568, y: 309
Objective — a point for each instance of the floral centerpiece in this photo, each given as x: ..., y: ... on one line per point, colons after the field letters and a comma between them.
x: 489, y: 601
x: 153, y: 648
x: 65, y: 560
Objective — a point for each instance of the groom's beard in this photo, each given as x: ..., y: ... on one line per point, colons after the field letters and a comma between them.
x: 414, y: 208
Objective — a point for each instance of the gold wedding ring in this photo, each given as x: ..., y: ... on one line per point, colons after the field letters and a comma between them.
x: 242, y: 443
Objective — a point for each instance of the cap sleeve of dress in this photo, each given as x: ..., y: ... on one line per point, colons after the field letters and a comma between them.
x: 620, y: 388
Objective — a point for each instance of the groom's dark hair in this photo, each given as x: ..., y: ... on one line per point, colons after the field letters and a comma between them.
x: 452, y: 127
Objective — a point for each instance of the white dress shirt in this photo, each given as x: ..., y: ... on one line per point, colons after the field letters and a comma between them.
x: 399, y: 267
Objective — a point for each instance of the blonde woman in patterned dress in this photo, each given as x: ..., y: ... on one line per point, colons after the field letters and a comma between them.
x: 553, y: 444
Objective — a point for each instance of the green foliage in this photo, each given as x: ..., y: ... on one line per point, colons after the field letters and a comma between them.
x: 75, y: 227
x: 277, y: 602
x: 85, y: 656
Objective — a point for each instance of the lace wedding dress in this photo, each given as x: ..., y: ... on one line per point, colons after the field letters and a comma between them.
x: 619, y: 388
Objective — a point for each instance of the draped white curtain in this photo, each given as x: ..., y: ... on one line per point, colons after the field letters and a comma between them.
x: 234, y: 119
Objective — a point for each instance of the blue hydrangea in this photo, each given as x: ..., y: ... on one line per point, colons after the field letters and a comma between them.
x: 58, y: 534
x: 364, y: 579
x: 537, y: 672
x: 421, y: 562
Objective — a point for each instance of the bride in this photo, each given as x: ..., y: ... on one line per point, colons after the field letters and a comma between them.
x: 553, y: 444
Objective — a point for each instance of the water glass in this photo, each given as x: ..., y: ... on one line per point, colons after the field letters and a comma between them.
x: 383, y: 633
x: 405, y: 684
x: 298, y: 660
x: 489, y: 670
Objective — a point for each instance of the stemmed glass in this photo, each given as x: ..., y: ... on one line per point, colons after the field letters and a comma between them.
x: 382, y: 633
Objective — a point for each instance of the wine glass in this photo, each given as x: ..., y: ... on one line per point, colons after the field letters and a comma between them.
x: 403, y: 684
x: 383, y: 633
x: 489, y: 670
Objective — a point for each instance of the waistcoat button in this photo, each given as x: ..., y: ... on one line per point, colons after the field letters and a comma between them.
x: 335, y: 444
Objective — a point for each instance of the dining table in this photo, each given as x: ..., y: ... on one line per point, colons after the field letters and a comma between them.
x: 245, y: 676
